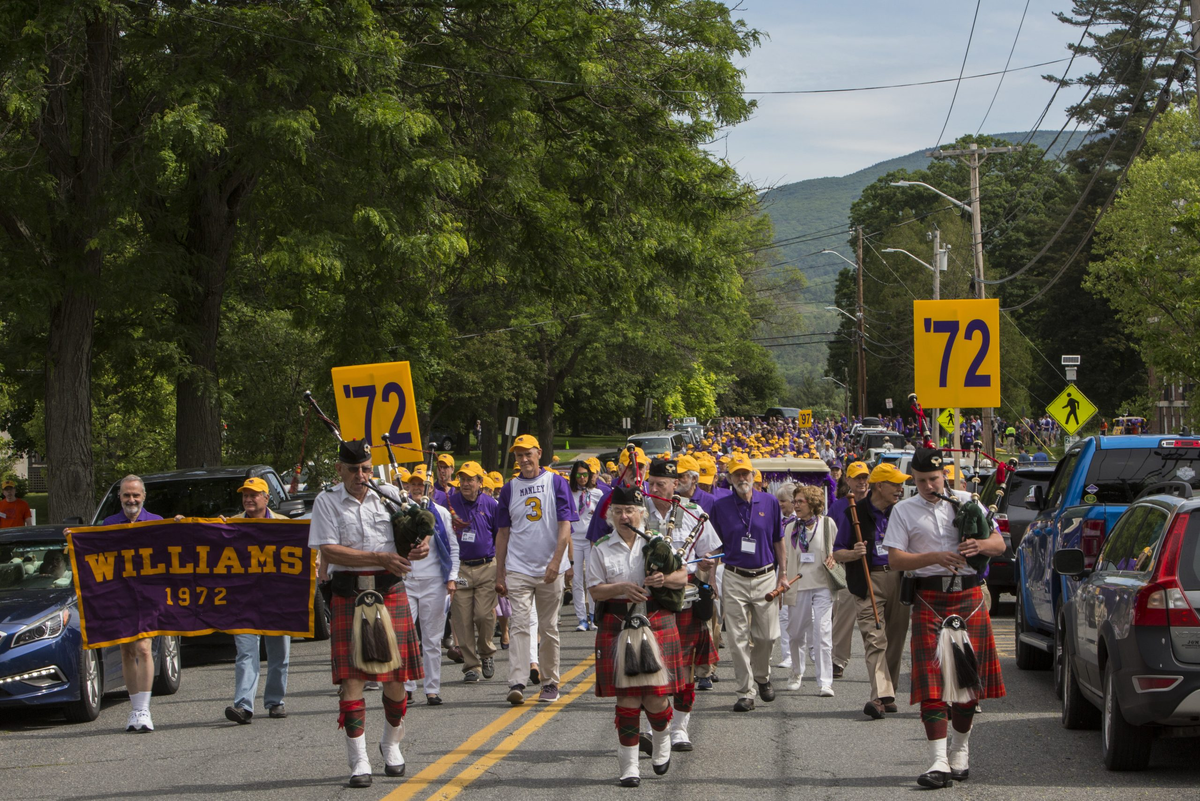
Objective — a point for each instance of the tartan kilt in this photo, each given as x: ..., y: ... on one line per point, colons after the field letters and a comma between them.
x: 695, y: 638
x: 341, y: 621
x: 662, y: 623
x: 926, y: 626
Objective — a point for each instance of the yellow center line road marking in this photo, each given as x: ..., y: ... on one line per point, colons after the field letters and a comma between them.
x: 473, y: 771
x: 477, y: 740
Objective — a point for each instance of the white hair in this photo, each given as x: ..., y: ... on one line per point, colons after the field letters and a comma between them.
x: 129, y: 479
x: 785, y: 492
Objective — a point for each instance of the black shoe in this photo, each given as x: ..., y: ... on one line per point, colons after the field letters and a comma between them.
x: 360, y: 780
x: 934, y: 779
x: 766, y: 691
x: 391, y: 770
x: 277, y: 711
x: 455, y: 654
x: 632, y: 781
x: 838, y: 671
x: 715, y: 678
x: 960, y: 775
x: 408, y: 694
x: 470, y: 677
x: 238, y: 715
x: 534, y: 677
x: 659, y: 770
x: 743, y: 705
x: 873, y: 709
x: 645, y: 745
x: 889, y: 705
x: 433, y: 700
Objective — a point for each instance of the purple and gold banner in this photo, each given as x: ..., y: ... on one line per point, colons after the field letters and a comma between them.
x: 191, y: 577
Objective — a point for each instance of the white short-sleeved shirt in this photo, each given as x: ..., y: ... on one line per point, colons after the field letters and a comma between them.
x: 431, y: 566
x: 612, y: 561
x: 585, y: 501
x: 531, y: 509
x: 706, y: 541
x: 339, y: 519
x: 918, y: 526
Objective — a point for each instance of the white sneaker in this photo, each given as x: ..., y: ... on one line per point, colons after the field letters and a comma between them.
x: 794, y: 683
x: 785, y: 664
x: 583, y: 626
x: 825, y: 692
x: 139, y: 721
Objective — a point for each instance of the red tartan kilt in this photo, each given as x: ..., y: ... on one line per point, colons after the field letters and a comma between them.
x: 695, y: 638
x: 342, y: 618
x: 663, y: 625
x: 926, y: 626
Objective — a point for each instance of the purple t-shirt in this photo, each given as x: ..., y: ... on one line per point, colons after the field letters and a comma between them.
x: 119, y: 517
x: 759, y: 520
x: 874, y: 539
x: 704, y: 499
x: 481, y: 515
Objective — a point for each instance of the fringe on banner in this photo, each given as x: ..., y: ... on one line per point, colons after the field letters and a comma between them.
x: 958, y: 663
x: 373, y: 647
x: 639, y: 660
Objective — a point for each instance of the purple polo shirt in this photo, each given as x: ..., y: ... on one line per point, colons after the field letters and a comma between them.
x: 704, y: 499
x: 440, y: 498
x: 837, y: 510
x: 846, y: 539
x: 603, y: 486
x: 481, y: 515
x: 119, y: 517
x: 734, y: 519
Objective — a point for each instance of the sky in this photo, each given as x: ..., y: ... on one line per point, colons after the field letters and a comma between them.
x: 826, y: 44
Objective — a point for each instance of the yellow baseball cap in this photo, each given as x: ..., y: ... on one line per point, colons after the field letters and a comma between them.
x: 10, y: 484
x: 253, y: 484
x: 708, y: 470
x: 855, y: 469
x: 593, y: 464
x: 488, y: 484
x: 611, y: 467
x: 497, y: 479
x: 951, y: 473
x: 554, y: 459
x: 526, y: 442
x: 641, y: 457
x: 757, y: 474
x: 687, y: 464
x: 445, y: 458
x: 738, y: 461
x: 402, y: 473
x: 418, y: 474
x: 471, y: 469
x: 888, y: 472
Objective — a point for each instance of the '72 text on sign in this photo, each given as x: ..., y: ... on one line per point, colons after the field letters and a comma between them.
x: 956, y: 353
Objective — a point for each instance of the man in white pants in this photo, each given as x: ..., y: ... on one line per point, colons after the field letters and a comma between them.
x: 534, y: 529
x: 586, y: 500
x: 430, y: 584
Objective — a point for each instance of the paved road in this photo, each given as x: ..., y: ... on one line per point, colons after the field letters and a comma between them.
x: 477, y: 744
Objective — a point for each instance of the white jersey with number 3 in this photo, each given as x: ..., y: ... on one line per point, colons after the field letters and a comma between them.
x: 532, y: 509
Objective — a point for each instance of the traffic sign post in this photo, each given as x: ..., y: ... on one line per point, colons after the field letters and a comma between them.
x: 956, y: 353
x: 1071, y: 409
x: 888, y: 403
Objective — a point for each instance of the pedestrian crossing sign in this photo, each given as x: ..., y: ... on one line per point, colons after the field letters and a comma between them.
x: 946, y: 419
x: 1071, y: 409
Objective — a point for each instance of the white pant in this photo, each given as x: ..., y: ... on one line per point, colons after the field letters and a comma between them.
x: 584, y: 606
x: 784, y: 638
x: 809, y: 619
x: 427, y: 599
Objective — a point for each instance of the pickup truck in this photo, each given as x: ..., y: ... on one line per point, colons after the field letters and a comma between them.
x: 1093, y: 485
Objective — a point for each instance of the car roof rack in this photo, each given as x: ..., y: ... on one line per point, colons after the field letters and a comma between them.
x: 1180, y: 489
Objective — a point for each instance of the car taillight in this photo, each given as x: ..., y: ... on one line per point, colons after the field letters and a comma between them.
x: 1164, y: 604
x: 1090, y: 541
x: 1002, y: 522
x: 1179, y: 443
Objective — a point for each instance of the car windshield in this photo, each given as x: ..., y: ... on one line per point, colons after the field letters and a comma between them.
x: 33, y: 566
x: 190, y: 497
x: 880, y: 439
x: 653, y: 446
x: 1119, y: 475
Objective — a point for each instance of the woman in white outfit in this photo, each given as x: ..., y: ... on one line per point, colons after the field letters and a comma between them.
x: 809, y: 542
x: 586, y: 501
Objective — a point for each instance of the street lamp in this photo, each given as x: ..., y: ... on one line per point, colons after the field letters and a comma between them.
x: 941, y: 260
x: 862, y: 349
x: 840, y: 256
x: 846, y: 393
x: 958, y: 203
x: 855, y: 318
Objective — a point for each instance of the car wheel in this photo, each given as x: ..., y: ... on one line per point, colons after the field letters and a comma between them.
x: 1077, y: 711
x: 321, y: 616
x: 170, y: 667
x: 447, y: 444
x: 1027, y: 657
x: 91, y: 684
x: 1125, y: 747
x: 1056, y: 657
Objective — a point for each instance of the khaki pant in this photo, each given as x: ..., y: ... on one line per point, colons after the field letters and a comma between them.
x: 750, y: 618
x: 473, y: 613
x: 845, y: 610
x: 524, y: 592
x: 884, y: 646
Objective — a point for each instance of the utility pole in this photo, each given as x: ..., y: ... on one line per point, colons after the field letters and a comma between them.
x: 1196, y: 41
x: 974, y: 156
x: 934, y: 425
x: 862, y: 352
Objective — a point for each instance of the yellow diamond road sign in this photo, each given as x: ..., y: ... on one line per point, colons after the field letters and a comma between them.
x: 1071, y: 409
x: 946, y: 418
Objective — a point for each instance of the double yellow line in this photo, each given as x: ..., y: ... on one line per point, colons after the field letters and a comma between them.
x: 452, y: 787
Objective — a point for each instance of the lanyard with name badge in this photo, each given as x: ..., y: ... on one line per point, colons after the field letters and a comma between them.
x: 749, y: 544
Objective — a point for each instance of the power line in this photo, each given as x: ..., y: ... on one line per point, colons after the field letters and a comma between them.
x: 961, y: 70
x: 1000, y: 83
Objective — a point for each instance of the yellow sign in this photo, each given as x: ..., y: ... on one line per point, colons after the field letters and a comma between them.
x: 946, y: 420
x: 1071, y: 409
x: 956, y: 357
x: 804, y: 418
x: 374, y: 398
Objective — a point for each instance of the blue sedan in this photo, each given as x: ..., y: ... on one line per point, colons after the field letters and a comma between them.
x: 42, y: 658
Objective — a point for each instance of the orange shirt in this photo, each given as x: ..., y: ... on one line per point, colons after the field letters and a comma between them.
x: 15, y: 513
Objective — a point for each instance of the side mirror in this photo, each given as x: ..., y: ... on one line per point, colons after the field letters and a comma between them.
x: 73, y: 521
x: 1070, y: 562
x: 291, y: 508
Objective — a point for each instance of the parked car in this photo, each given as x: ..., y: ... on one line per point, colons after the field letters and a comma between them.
x: 871, y: 438
x: 42, y: 659
x: 782, y: 412
x: 656, y: 442
x: 1015, y: 510
x: 444, y: 440
x: 1129, y: 649
x: 1091, y: 488
x: 213, y: 492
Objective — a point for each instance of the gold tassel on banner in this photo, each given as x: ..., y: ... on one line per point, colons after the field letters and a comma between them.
x: 373, y: 647
x: 639, y: 661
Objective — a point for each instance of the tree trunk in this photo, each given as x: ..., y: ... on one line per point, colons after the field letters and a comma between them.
x: 489, y: 451
x: 79, y: 216
x: 543, y: 421
x: 212, y: 225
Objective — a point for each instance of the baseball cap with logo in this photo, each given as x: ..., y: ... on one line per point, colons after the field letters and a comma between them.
x: 255, y: 484
x: 9, y: 484
x: 497, y: 479
x: 855, y: 469
x: 739, y: 461
x: 525, y: 442
x: 641, y: 457
x: 418, y: 473
x: 888, y: 472
x: 471, y: 469
x: 445, y: 458
x: 687, y: 464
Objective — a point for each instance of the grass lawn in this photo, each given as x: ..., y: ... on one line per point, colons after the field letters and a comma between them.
x: 38, y: 504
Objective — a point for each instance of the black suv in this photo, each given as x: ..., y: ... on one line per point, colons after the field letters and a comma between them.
x: 1014, y: 512
x: 1128, y: 650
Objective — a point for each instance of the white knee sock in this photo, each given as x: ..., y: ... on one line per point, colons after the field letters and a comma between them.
x: 140, y: 701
